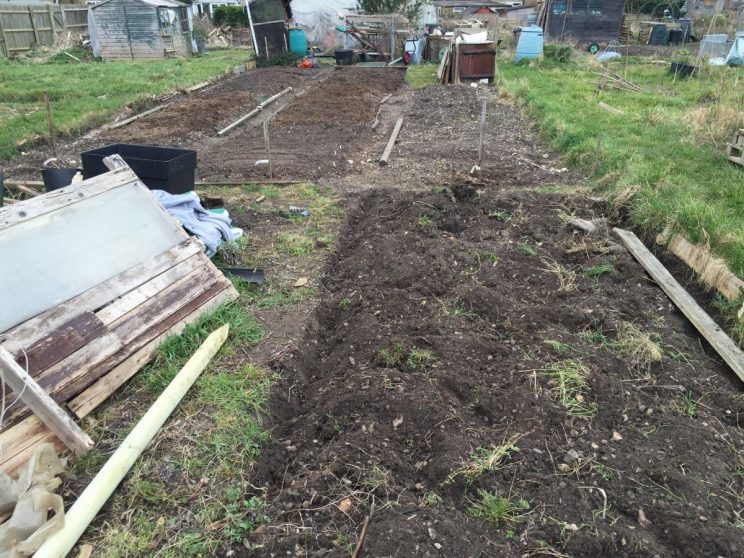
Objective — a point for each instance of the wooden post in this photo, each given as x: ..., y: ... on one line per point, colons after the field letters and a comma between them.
x: 43, y: 406
x: 33, y: 24
x: 722, y: 343
x: 50, y: 123
x: 267, y: 143
x: 4, y: 50
x: 51, y: 21
x: 266, y: 46
x: 482, y: 130
x: 391, y: 142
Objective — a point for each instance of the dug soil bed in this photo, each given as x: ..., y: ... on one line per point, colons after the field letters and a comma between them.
x: 321, y: 134
x: 189, y: 121
x: 445, y: 325
x: 438, y: 144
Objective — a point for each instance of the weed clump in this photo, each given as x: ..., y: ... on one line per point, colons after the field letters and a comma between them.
x: 569, y: 381
x: 399, y: 356
x: 494, y: 508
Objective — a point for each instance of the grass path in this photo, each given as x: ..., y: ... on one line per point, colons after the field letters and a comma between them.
x: 665, y: 154
x: 84, y: 95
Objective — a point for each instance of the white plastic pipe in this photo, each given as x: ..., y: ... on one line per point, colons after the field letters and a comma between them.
x: 90, y: 502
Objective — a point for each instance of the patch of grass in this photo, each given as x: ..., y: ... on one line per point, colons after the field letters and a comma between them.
x: 529, y: 250
x: 685, y: 182
x: 390, y: 357
x: 294, y: 244
x: 398, y: 355
x: 603, y: 471
x: 495, y: 508
x: 569, y: 381
x: 637, y: 346
x: 559, y: 346
x: 432, y: 499
x: 421, y: 75
x: 177, y: 349
x: 419, y: 359
x: 687, y: 404
x: 270, y: 296
x: 501, y: 214
x: 88, y: 94
x: 235, y: 400
x: 599, y: 269
x: 483, y: 460
x: 424, y: 223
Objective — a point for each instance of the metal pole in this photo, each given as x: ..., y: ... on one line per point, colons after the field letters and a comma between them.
x: 250, y: 22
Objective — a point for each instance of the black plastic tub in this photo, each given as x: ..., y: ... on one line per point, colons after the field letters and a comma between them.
x: 680, y: 69
x: 54, y: 179
x: 160, y: 168
x: 344, y: 57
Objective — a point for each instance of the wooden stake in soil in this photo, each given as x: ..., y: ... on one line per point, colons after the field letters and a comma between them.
x: 480, y: 139
x: 391, y: 142
x: 50, y: 123
x: 267, y: 143
x: 721, y: 342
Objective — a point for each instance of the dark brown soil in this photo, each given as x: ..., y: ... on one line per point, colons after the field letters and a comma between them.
x: 189, y: 121
x: 469, y: 282
x: 320, y: 134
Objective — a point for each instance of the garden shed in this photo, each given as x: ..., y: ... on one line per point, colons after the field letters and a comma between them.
x: 140, y: 29
x: 583, y: 21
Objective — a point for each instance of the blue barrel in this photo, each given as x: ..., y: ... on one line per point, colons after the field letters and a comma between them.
x: 530, y: 44
x: 297, y: 41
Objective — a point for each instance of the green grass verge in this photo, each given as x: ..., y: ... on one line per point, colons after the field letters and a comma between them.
x: 421, y: 75
x: 666, y: 152
x: 87, y: 94
x: 190, y: 493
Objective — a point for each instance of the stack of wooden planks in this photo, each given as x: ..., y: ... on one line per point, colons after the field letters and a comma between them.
x: 98, y: 334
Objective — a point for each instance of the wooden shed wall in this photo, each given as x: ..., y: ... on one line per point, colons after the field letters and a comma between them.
x: 128, y: 29
x: 131, y: 29
x: 585, y: 27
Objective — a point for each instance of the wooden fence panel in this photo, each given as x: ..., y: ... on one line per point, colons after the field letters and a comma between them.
x: 24, y: 26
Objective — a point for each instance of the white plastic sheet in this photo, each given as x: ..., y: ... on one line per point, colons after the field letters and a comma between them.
x: 319, y: 19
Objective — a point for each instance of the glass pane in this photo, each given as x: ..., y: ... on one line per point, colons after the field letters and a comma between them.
x: 267, y: 10
x: 596, y: 7
x: 578, y: 6
x: 559, y: 7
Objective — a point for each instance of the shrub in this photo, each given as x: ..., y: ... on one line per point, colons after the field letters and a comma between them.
x: 558, y: 53
x: 233, y: 16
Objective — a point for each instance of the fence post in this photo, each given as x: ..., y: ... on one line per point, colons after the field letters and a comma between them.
x: 33, y: 24
x: 4, y: 50
x: 51, y: 22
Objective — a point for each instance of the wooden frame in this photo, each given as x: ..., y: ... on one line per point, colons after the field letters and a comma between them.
x: 79, y: 351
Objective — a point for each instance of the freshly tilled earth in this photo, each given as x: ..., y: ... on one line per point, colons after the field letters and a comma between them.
x: 498, y: 293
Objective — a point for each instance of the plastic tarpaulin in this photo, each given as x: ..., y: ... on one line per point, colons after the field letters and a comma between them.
x: 736, y: 54
x: 319, y: 19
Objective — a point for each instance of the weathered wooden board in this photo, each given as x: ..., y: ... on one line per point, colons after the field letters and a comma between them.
x: 722, y: 343
x: 29, y: 332
x: 84, y: 403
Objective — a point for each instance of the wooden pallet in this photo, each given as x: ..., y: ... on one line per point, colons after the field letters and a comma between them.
x: 735, y: 149
x: 83, y: 349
